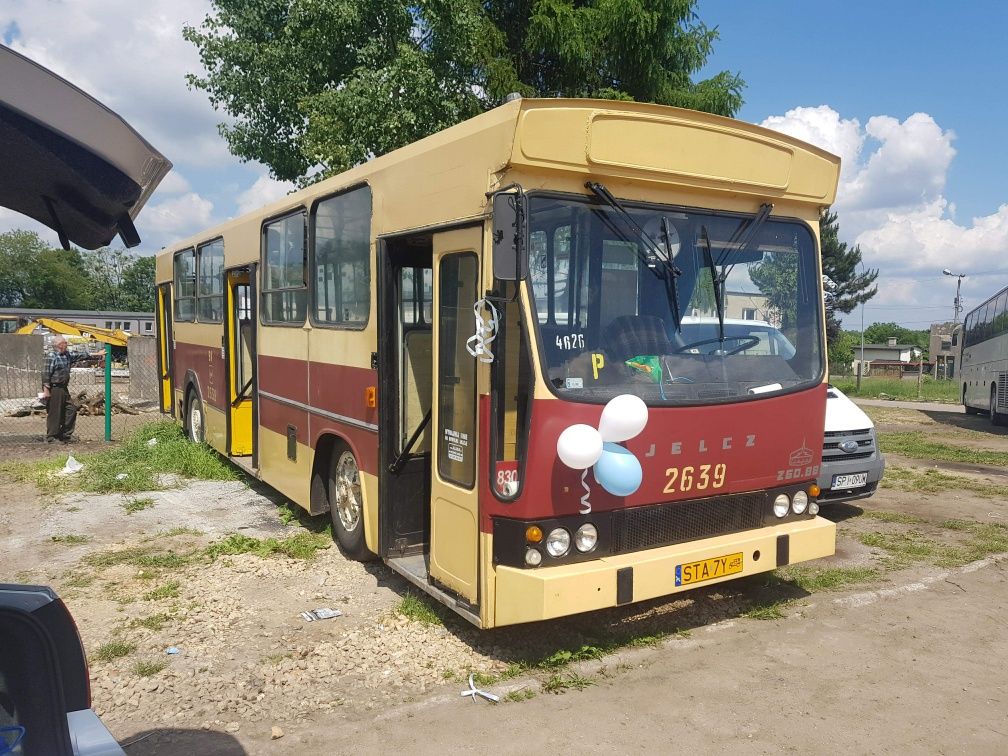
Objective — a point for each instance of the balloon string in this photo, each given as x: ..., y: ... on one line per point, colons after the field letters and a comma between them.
x: 585, y: 504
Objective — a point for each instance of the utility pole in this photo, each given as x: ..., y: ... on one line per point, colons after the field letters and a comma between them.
x: 957, y: 305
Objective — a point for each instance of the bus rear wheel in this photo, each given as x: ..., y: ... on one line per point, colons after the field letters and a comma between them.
x: 346, y: 504
x: 194, y: 418
x: 996, y: 417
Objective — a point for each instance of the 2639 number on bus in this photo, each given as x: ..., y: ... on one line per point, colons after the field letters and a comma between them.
x: 708, y: 569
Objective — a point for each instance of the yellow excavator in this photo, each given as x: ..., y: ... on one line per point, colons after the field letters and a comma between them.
x: 112, y: 336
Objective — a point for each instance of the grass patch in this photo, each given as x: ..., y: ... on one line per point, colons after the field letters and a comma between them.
x: 416, y: 608
x: 936, y: 481
x: 829, y: 579
x: 919, y: 445
x: 139, y: 464
x: 277, y: 658
x: 903, y: 548
x: 113, y: 650
x: 766, y: 612
x: 895, y: 388
x: 303, y: 545
x: 166, y: 591
x: 71, y: 539
x: 180, y: 532
x: 904, y: 519
x: 145, y: 668
x: 153, y: 622
x: 132, y: 505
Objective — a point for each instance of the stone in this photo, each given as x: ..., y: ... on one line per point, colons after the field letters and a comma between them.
x: 233, y: 727
x: 276, y: 733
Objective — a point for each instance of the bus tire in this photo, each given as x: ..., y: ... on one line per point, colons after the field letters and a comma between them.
x: 969, y: 410
x: 195, y: 418
x: 996, y: 417
x: 346, y: 504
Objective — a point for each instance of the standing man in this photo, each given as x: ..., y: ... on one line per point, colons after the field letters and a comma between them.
x: 61, y: 416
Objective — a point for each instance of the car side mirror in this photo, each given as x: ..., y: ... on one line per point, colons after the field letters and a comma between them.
x: 510, y: 236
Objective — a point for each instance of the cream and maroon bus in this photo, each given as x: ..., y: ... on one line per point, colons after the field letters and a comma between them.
x: 498, y: 357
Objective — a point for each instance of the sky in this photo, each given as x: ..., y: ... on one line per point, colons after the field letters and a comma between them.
x: 909, y: 94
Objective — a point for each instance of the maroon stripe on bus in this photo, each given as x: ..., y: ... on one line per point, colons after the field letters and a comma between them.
x: 284, y: 377
x: 342, y: 390
x: 276, y: 416
x: 208, y: 365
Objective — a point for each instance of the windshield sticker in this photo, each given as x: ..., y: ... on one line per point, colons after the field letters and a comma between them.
x: 574, y: 383
x: 571, y: 341
x: 598, y: 362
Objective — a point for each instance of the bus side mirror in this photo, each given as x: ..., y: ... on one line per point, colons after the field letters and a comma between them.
x: 510, y: 246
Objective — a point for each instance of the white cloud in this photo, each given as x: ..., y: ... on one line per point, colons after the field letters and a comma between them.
x: 176, y: 218
x: 262, y: 192
x: 173, y: 183
x: 891, y: 202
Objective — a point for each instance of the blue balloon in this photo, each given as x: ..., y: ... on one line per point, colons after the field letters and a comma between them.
x: 618, y: 471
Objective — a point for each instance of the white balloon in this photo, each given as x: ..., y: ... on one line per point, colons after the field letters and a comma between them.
x: 579, y: 446
x: 623, y: 417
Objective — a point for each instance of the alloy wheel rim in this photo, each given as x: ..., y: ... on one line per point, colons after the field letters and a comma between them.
x: 195, y: 422
x: 348, y: 498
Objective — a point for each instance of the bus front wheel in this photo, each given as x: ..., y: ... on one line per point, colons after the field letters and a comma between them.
x: 194, y: 418
x: 996, y: 417
x: 346, y: 504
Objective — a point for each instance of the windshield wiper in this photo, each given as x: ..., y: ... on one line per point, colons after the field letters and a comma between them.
x: 669, y: 272
x: 716, y: 282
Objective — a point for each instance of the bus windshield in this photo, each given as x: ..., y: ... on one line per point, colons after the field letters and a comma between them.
x: 666, y: 317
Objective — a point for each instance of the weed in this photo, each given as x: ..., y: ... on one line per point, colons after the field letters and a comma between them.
x: 71, y: 539
x: 166, y: 591
x: 153, y: 622
x: 560, y: 682
x: 831, y: 578
x: 113, y: 650
x: 180, y: 532
x: 920, y: 445
x: 483, y: 679
x: 277, y: 658
x: 448, y: 674
x: 137, y: 504
x: 73, y: 509
x: 148, y: 668
x: 903, y: 548
x: 894, y: 388
x: 648, y: 641
x: 683, y: 634
x: 769, y: 611
x: 522, y: 694
x: 78, y: 580
x: 288, y: 513
x: 563, y: 657
x: 416, y: 608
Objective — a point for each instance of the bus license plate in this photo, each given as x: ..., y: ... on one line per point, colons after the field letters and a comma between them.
x: 850, y: 481
x: 708, y: 569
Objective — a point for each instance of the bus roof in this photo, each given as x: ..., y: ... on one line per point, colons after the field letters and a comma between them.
x: 642, y: 144
x: 68, y: 161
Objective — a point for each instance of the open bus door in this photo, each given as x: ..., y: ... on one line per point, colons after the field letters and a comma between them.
x: 165, y: 346
x: 454, y: 550
x: 240, y: 361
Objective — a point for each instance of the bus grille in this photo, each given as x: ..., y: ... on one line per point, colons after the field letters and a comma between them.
x: 664, y: 524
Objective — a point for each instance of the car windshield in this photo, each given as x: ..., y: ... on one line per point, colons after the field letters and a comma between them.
x: 710, y: 307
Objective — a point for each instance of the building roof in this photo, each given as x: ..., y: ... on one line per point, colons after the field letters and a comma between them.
x: 900, y: 347
x: 54, y: 311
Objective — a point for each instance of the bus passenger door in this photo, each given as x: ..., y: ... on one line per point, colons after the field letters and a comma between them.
x: 240, y: 359
x: 165, y: 346
x: 454, y: 552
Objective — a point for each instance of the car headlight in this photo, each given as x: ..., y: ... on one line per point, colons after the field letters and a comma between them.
x: 586, y: 537
x: 558, y: 542
x: 800, y: 502
x: 781, y: 505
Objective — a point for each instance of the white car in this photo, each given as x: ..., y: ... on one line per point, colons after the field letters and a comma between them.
x: 852, y: 464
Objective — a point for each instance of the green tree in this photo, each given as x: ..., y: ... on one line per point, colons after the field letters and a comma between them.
x: 846, y: 288
x: 33, y: 274
x: 120, y: 280
x: 879, y: 333
x: 317, y: 86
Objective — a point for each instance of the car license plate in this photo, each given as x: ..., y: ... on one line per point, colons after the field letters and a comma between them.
x: 850, y: 481
x: 708, y: 569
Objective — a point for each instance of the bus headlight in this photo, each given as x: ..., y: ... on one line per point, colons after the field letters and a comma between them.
x: 781, y: 505
x: 533, y: 557
x: 800, y: 502
x: 586, y: 537
x: 558, y: 542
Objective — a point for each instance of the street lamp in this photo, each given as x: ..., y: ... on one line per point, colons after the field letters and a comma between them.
x: 957, y: 307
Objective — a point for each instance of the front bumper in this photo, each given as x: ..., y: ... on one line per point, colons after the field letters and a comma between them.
x: 874, y: 466
x: 529, y: 595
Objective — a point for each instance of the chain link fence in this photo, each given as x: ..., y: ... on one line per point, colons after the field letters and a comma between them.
x: 133, y: 394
